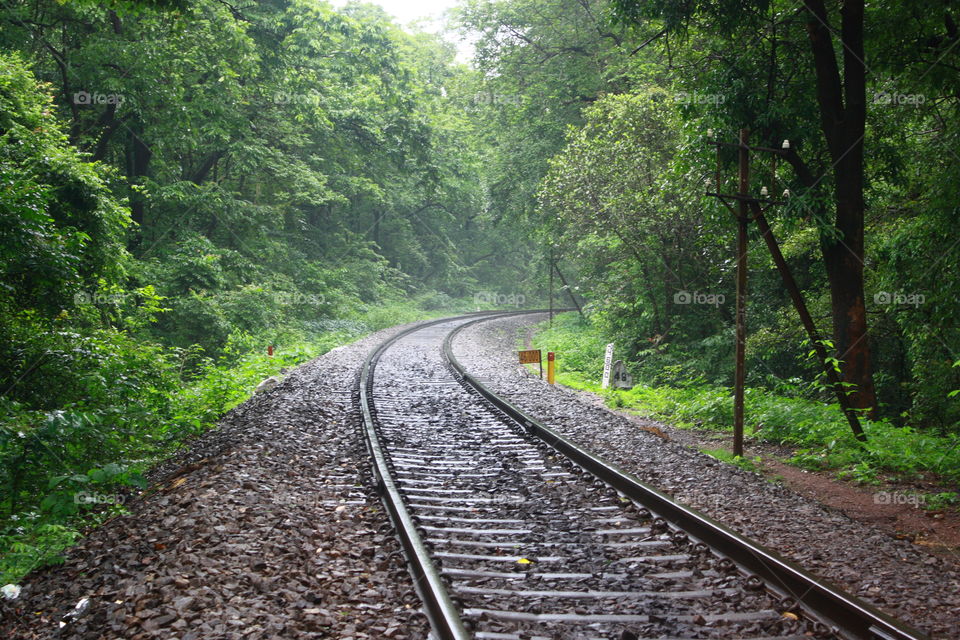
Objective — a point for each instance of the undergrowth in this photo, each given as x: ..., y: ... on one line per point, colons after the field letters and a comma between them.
x: 817, y: 431
x: 126, y: 405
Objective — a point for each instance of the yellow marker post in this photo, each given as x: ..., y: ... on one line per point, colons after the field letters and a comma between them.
x: 550, y: 367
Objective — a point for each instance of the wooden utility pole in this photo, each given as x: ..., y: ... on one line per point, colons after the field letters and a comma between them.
x: 746, y: 205
x: 551, y: 284
x: 741, y: 347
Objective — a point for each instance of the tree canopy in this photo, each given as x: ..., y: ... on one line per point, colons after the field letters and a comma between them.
x: 186, y: 182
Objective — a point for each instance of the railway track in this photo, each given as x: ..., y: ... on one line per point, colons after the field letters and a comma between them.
x: 512, y: 532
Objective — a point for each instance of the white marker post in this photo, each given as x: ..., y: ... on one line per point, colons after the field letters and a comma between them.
x: 607, y: 362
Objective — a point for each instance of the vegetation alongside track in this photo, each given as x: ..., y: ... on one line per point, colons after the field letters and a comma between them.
x: 185, y: 182
x: 794, y: 414
x: 133, y: 405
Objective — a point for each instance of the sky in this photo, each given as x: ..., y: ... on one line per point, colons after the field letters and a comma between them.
x: 406, y: 11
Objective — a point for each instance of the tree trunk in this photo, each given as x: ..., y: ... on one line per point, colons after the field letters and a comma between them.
x: 843, y: 258
x: 138, y: 164
x: 842, y: 103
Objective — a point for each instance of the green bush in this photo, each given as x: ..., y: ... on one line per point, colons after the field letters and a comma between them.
x: 577, y: 348
x: 91, y: 409
x: 819, y: 431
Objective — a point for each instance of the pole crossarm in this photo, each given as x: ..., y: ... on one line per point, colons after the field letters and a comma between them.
x: 779, y: 152
x: 747, y: 198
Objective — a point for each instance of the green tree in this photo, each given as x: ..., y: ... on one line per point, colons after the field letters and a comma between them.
x: 61, y: 228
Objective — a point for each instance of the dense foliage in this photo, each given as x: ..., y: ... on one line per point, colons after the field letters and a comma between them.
x: 185, y: 183
x: 867, y: 98
x: 783, y: 414
x: 188, y: 181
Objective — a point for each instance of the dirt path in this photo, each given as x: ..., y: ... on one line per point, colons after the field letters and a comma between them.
x: 892, y: 508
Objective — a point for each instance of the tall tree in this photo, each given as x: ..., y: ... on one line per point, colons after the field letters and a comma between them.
x: 842, y: 98
x: 761, y: 33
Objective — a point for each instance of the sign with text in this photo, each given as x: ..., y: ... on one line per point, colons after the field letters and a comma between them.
x: 621, y: 377
x: 530, y: 356
x: 607, y: 363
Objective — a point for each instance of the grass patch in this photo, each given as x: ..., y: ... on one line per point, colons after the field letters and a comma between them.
x: 818, y: 431
x: 747, y: 464
x: 65, y: 470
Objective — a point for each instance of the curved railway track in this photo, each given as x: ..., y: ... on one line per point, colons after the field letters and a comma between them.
x: 512, y: 532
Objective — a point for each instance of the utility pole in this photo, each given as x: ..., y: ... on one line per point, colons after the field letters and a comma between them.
x: 741, y: 347
x: 746, y: 205
x: 551, y: 284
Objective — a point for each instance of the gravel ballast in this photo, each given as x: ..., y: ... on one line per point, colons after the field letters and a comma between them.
x: 266, y: 528
x: 531, y: 546
x: 896, y: 576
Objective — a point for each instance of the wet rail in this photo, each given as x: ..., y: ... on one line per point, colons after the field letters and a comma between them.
x: 512, y: 532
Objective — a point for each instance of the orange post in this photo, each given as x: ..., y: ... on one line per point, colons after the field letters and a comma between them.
x: 270, y: 350
x: 550, y: 367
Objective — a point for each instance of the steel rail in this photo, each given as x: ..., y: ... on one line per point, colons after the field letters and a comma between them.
x: 845, y: 614
x: 440, y: 609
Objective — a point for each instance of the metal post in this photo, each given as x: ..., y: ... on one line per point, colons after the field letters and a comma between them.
x: 740, y: 373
